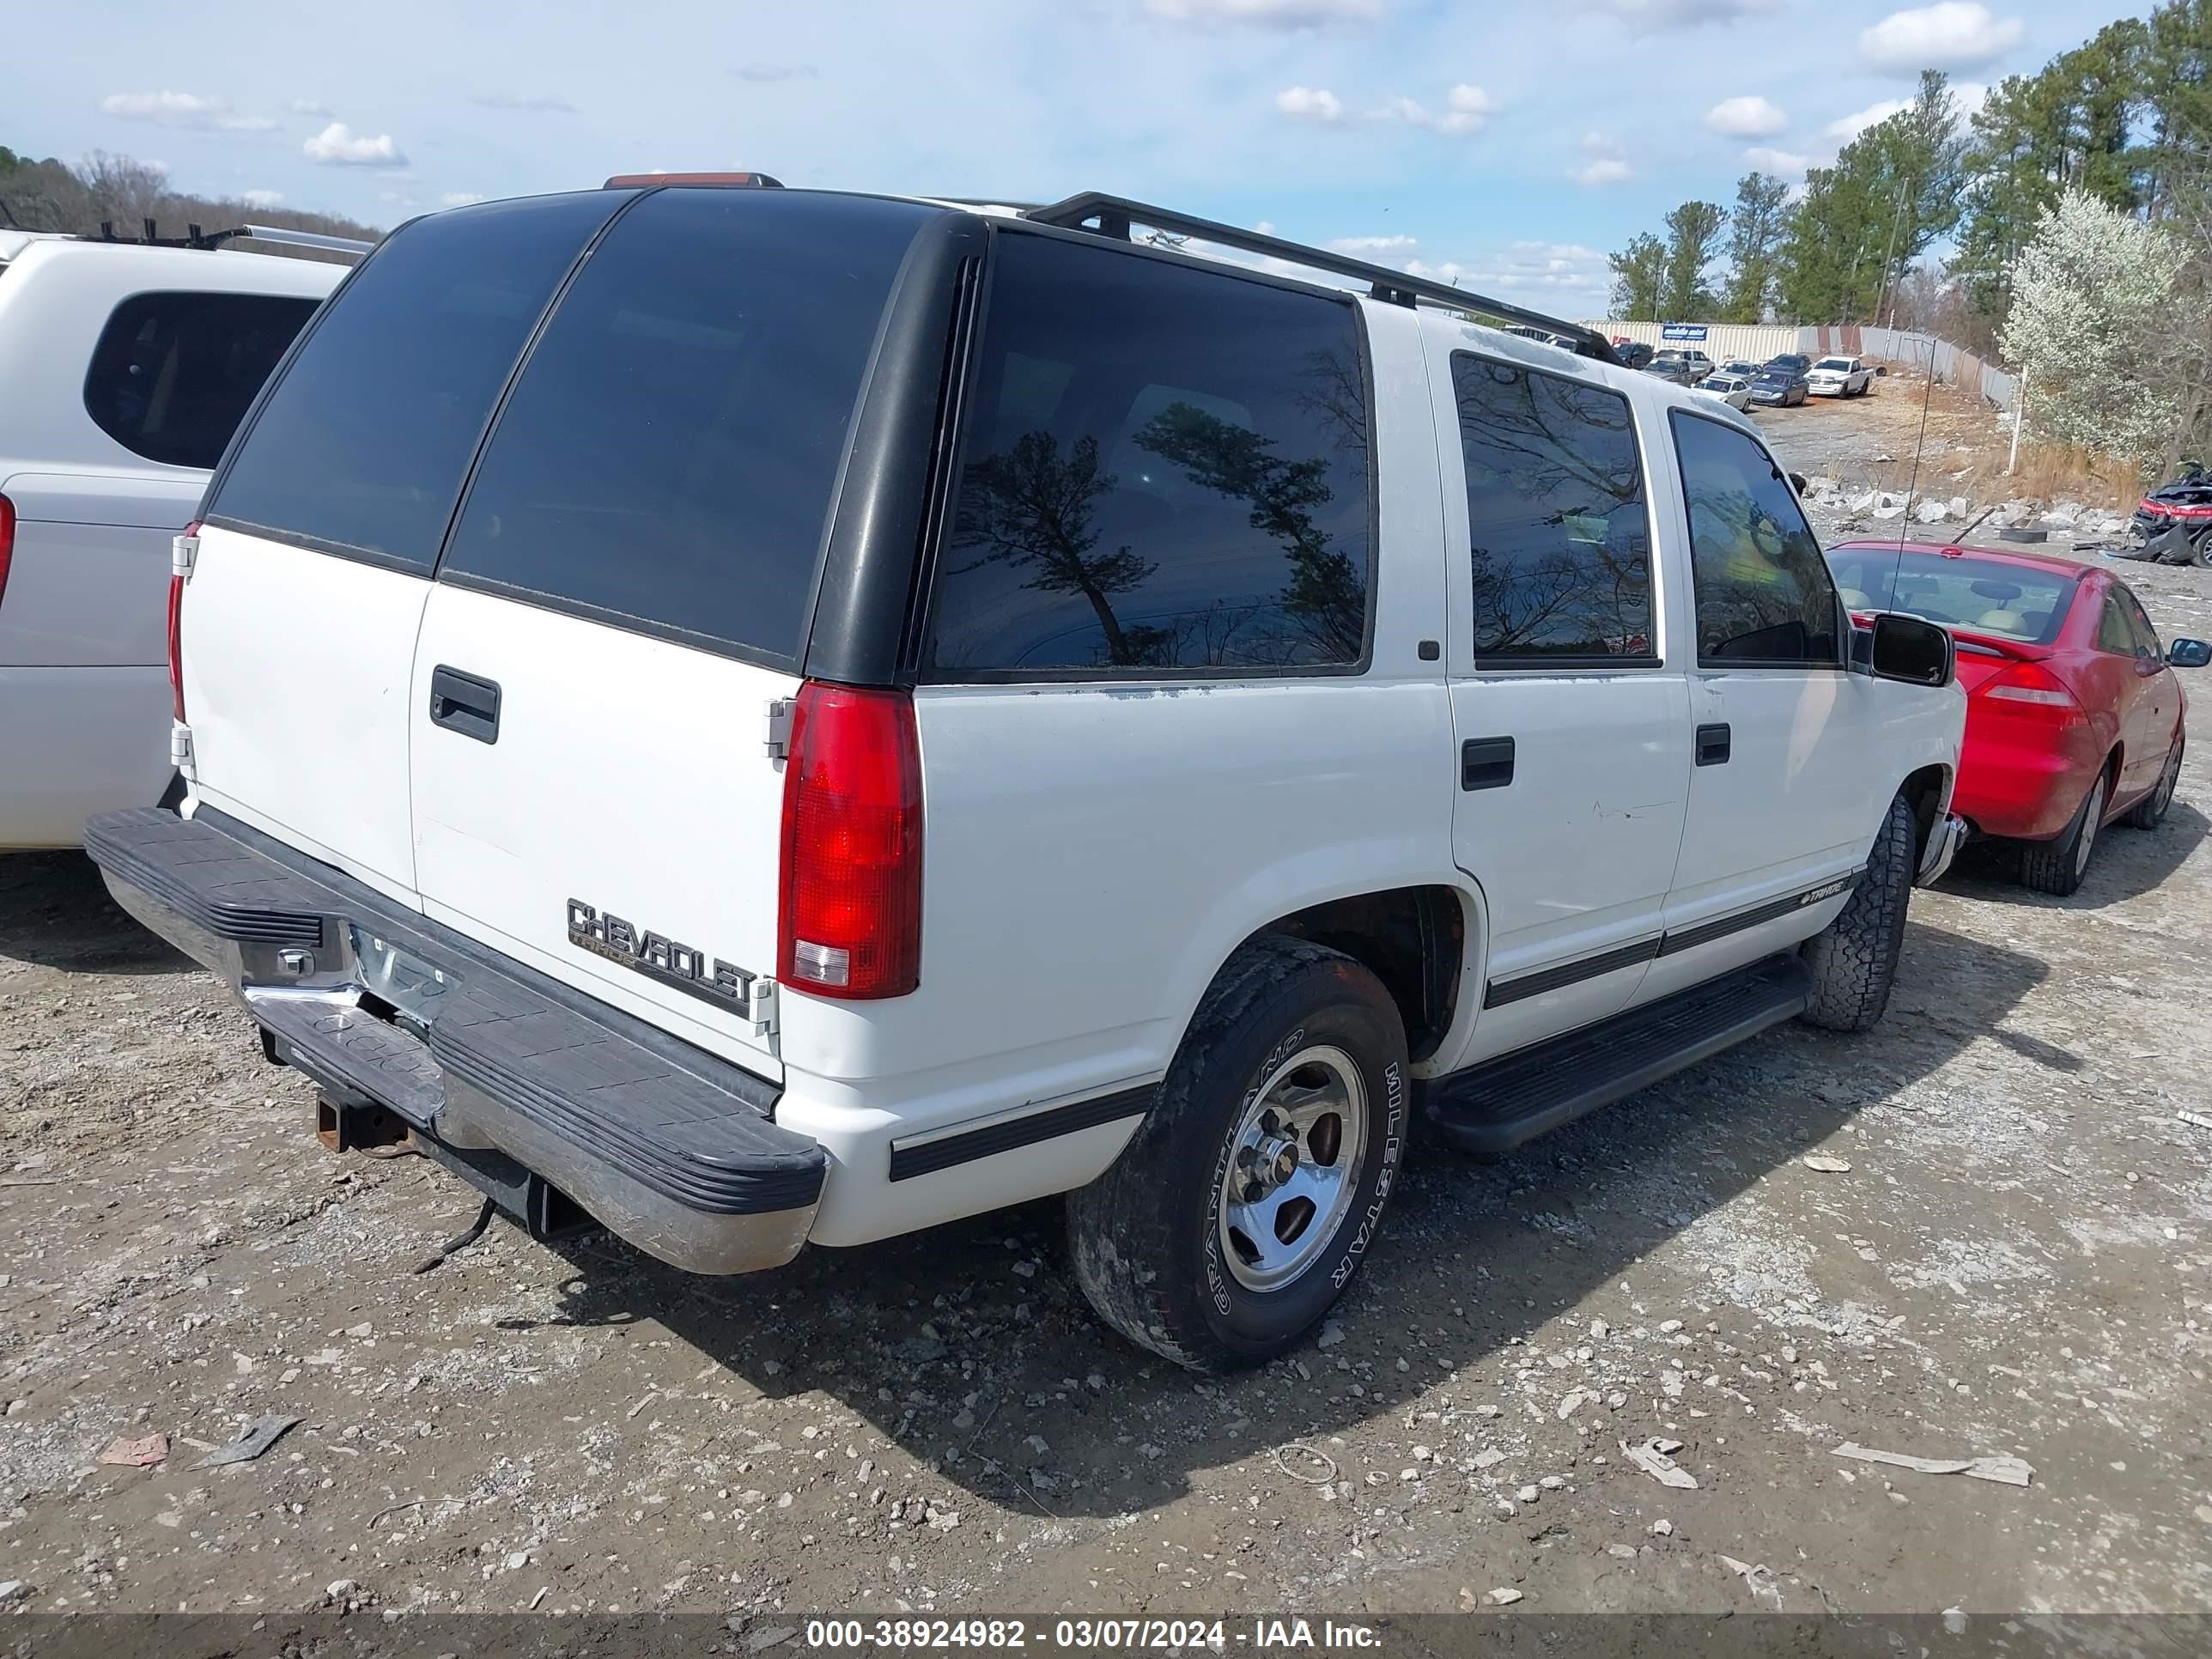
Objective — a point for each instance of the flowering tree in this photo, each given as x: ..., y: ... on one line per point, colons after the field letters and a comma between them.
x: 2092, y: 321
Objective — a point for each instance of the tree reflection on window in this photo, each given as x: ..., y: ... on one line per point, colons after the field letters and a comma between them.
x: 1560, y: 539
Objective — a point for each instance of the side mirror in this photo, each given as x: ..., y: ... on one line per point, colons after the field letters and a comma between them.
x: 2189, y: 653
x: 1797, y: 482
x: 1911, y: 649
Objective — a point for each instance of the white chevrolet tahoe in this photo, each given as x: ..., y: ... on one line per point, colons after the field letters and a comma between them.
x: 123, y: 370
x: 762, y: 716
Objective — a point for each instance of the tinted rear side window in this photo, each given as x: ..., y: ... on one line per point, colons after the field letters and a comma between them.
x: 362, y: 445
x: 669, y: 454
x: 1165, y: 469
x: 173, y: 373
x: 1560, y: 539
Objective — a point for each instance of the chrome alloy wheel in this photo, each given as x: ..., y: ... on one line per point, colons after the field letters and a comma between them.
x: 2092, y: 816
x: 1293, y: 1164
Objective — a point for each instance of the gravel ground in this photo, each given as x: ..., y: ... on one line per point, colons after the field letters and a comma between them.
x: 2014, y: 1264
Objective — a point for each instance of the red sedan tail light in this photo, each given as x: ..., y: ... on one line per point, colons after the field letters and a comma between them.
x: 2034, y: 686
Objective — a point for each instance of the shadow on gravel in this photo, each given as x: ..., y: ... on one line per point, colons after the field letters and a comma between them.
x: 964, y: 1343
x: 55, y: 912
x: 2124, y: 864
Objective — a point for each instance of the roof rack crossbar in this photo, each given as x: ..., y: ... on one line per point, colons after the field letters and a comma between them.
x: 1113, y: 215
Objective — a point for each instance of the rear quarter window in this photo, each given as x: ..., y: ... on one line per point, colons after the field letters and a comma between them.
x: 361, y: 445
x: 173, y: 373
x: 1165, y: 470
x: 669, y: 454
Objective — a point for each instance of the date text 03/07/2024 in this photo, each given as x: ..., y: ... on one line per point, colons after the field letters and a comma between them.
x: 1259, y: 1635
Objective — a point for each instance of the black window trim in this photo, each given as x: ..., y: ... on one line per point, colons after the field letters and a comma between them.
x: 1730, y: 664
x: 1582, y: 663
x: 372, y: 556
x: 925, y: 674
x: 253, y: 405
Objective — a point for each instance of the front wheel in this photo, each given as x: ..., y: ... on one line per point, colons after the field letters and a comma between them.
x: 2148, y: 812
x: 1854, y: 959
x: 1246, y: 1202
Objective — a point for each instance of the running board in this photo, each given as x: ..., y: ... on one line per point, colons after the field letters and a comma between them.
x: 1494, y: 1107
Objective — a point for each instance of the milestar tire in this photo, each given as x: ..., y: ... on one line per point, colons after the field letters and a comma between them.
x: 1854, y: 959
x: 2148, y: 812
x: 1245, y: 1204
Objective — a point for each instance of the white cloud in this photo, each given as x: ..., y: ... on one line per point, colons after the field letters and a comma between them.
x: 1609, y: 164
x: 1466, y: 109
x: 1949, y: 34
x: 1310, y: 103
x: 309, y: 107
x: 1848, y: 127
x: 182, y: 109
x: 1646, y: 16
x: 263, y: 198
x: 766, y: 73
x: 1560, y: 277
x: 1783, y: 163
x: 1372, y: 244
x: 1266, y: 14
x: 1745, y: 116
x: 340, y: 145
x: 536, y: 103
x: 453, y: 199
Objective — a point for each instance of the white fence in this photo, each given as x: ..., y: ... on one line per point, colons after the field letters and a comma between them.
x: 1954, y: 365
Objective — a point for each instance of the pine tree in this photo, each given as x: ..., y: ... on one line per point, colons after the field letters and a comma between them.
x: 1693, y: 233
x: 1756, y: 230
x: 1639, y: 273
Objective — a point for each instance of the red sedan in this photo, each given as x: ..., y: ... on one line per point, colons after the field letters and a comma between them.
x: 2074, y: 714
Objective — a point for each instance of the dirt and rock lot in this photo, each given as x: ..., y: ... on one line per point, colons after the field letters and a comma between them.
x: 2017, y: 1263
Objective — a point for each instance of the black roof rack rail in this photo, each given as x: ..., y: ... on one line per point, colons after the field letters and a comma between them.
x: 1113, y: 215
x: 194, y: 237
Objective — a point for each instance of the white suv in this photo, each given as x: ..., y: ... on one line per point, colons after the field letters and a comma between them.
x: 766, y: 715
x: 126, y: 369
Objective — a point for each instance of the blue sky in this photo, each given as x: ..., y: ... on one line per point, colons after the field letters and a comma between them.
x: 1507, y: 144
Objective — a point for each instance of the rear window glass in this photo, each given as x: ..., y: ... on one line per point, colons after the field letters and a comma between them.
x: 173, y: 373
x: 1983, y: 596
x: 1165, y: 469
x: 669, y: 454
x: 1560, y: 539
x: 1844, y: 364
x: 362, y: 445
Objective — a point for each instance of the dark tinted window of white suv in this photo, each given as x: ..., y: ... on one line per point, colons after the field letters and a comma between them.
x: 1764, y: 595
x: 669, y: 453
x: 173, y: 373
x: 361, y: 446
x: 1559, y: 536
x: 1165, y: 469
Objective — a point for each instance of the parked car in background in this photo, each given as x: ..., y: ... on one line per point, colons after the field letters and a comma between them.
x: 1742, y: 366
x: 614, y: 534
x: 1684, y: 365
x: 1544, y: 336
x: 2074, y: 714
x: 1796, y: 361
x: 1838, y: 377
x: 1632, y: 354
x: 1734, y: 389
x: 126, y: 369
x: 2185, y: 506
x: 1777, y: 384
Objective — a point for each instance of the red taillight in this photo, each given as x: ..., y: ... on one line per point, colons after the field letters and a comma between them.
x: 851, y: 902
x: 176, y: 653
x: 2032, y: 684
x: 7, y: 541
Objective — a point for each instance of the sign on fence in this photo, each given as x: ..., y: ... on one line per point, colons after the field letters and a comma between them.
x: 1682, y: 332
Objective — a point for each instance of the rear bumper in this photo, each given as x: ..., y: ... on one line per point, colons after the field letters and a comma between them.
x: 504, y: 1073
x: 2016, y: 793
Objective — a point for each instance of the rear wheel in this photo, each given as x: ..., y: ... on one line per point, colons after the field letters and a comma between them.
x: 1236, y: 1217
x: 2057, y: 867
x: 2146, y: 814
x: 1854, y: 959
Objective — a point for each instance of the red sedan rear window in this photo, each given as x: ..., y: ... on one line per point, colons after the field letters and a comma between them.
x: 1983, y: 596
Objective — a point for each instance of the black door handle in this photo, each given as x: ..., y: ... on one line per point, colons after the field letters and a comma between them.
x: 1486, y: 763
x: 1713, y: 744
x: 462, y: 702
